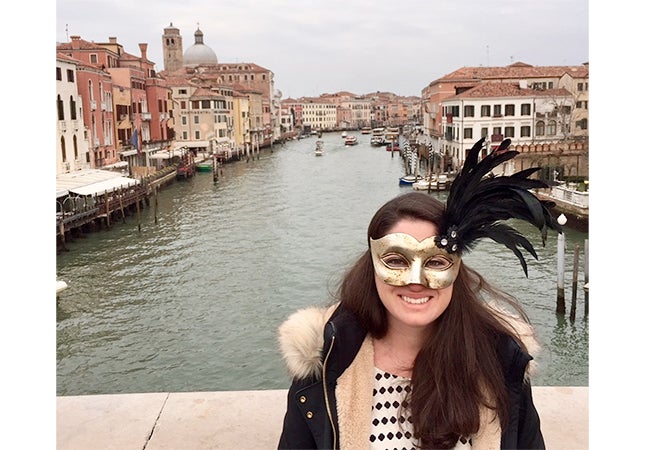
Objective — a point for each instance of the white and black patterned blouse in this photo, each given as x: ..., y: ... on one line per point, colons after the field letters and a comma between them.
x: 392, y: 428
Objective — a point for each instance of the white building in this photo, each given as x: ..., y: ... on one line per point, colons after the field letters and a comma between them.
x: 71, y: 146
x: 319, y: 114
x: 504, y: 110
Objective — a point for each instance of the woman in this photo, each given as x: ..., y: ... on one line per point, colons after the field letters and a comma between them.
x: 412, y: 355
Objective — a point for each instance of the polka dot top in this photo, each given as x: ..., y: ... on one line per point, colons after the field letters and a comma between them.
x: 391, y: 427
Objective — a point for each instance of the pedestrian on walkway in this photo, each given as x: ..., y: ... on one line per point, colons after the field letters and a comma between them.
x: 419, y: 350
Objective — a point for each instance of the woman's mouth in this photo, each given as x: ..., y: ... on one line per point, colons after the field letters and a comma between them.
x: 415, y: 301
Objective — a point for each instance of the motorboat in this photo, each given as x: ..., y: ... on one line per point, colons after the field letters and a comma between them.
x: 351, y: 140
x: 319, y: 148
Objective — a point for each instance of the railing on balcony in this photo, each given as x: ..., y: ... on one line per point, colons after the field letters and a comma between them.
x: 93, y: 105
x: 146, y: 116
x: 63, y: 126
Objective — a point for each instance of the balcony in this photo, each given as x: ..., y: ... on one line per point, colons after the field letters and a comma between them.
x: 146, y: 116
x: 63, y: 126
x: 93, y: 105
x: 103, y: 106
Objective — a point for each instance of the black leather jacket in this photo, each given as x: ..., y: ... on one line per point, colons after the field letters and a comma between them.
x: 311, y: 420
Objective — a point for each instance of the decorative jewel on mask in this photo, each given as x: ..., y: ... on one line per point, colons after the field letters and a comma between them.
x: 449, y: 241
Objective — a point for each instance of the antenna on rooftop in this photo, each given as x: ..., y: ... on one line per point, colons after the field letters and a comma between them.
x: 67, y: 38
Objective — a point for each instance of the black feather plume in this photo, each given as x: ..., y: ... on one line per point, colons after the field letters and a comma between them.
x: 479, y: 203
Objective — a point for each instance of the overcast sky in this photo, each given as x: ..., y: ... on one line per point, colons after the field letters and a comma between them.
x: 318, y: 46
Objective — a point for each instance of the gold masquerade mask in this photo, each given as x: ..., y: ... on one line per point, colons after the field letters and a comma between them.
x: 399, y: 259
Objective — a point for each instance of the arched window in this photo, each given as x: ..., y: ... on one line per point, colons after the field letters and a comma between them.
x: 91, y: 97
x: 59, y: 107
x: 73, y: 109
x: 76, y: 148
x: 539, y: 128
x: 551, y: 128
x: 64, y: 158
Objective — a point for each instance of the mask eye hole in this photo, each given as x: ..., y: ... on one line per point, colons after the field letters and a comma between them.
x: 438, y: 262
x: 395, y: 261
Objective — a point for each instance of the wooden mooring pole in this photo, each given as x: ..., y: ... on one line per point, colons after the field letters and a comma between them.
x: 137, y: 208
x: 574, y: 286
x: 215, y: 168
x: 155, y: 205
x: 560, y: 307
x: 559, y: 304
x: 586, y: 269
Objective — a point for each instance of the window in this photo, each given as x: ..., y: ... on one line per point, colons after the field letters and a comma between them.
x: 73, y: 109
x: 525, y: 131
x: 469, y: 111
x: 484, y: 132
x: 525, y: 109
x: 551, y: 128
x: 510, y: 132
x: 182, y: 91
x: 93, y: 58
x: 197, y: 135
x: 496, y: 131
x: 539, y: 128
x: 59, y: 107
x: 185, y: 135
x: 183, y: 104
x: 196, y: 119
x: 485, y: 110
x: 467, y: 133
x: 581, y: 87
x: 582, y: 104
x: 581, y: 124
x: 510, y: 110
x: 58, y: 74
x: 205, y: 104
x: 497, y: 111
x: 184, y: 120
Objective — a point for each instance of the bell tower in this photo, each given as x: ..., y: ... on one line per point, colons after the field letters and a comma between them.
x: 172, y: 48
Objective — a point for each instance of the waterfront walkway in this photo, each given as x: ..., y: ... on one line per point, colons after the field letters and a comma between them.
x: 244, y: 420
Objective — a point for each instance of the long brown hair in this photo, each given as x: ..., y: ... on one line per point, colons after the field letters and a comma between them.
x: 457, y: 370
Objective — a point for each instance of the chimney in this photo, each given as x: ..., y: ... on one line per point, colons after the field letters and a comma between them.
x: 74, y: 41
x: 112, y: 40
x: 143, y: 50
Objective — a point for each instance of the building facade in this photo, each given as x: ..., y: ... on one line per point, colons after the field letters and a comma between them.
x: 72, y: 135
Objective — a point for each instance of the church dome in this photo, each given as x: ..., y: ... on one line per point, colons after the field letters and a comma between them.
x: 199, y: 53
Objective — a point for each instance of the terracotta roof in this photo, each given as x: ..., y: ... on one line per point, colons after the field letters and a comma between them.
x: 494, y: 89
x: 517, y: 70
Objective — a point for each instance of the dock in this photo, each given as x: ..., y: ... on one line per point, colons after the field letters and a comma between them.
x: 248, y: 420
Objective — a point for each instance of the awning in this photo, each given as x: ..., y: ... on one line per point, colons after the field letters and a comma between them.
x: 91, y: 181
x: 102, y: 187
x: 163, y: 154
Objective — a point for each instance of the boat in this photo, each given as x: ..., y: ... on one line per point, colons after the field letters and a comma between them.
x: 429, y: 183
x: 319, y: 148
x: 205, y: 166
x: 392, y: 147
x: 409, y: 180
x: 392, y: 134
x: 366, y: 130
x: 351, y: 140
x: 377, y: 139
x: 432, y: 183
x: 344, y: 134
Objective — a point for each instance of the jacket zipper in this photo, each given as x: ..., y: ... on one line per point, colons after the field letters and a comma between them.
x: 327, y: 401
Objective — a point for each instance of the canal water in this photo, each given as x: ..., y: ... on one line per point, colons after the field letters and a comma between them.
x: 192, y: 300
